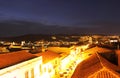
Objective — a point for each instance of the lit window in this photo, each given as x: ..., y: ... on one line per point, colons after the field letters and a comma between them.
x: 26, y: 74
x: 55, y: 61
x: 40, y: 69
x: 45, y: 69
x: 32, y: 73
x: 49, y: 70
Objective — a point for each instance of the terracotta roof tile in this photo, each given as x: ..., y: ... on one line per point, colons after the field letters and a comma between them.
x: 98, y: 49
x: 87, y: 67
x: 105, y: 73
x: 48, y: 56
x: 94, y: 64
x: 109, y: 65
x: 13, y: 58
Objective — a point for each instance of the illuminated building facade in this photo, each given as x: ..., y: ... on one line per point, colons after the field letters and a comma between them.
x: 50, y: 64
x: 20, y: 65
x: 26, y: 65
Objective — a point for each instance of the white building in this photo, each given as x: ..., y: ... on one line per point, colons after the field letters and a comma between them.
x: 20, y: 65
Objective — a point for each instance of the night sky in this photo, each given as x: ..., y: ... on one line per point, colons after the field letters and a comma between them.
x: 19, y: 17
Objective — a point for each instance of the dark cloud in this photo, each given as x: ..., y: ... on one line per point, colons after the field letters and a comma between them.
x: 78, y: 16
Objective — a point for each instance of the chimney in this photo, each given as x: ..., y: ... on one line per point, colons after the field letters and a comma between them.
x: 118, y: 56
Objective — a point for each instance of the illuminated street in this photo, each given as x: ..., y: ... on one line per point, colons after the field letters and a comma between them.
x: 69, y: 64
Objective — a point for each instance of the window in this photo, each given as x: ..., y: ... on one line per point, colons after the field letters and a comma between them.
x: 49, y: 70
x: 26, y: 74
x: 40, y: 69
x: 45, y: 69
x: 55, y: 61
x: 32, y: 73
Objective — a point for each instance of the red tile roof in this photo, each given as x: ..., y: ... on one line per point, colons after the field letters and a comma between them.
x: 98, y: 49
x: 48, y: 56
x: 109, y: 65
x: 104, y: 73
x: 13, y: 58
x: 87, y: 67
x: 93, y: 65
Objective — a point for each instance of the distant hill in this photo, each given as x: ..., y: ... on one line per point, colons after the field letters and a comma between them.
x: 17, y: 27
x: 29, y: 37
x: 36, y: 37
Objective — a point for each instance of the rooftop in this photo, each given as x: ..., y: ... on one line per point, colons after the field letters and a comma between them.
x: 13, y: 58
x: 98, y: 66
x: 48, y: 56
x: 98, y: 49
